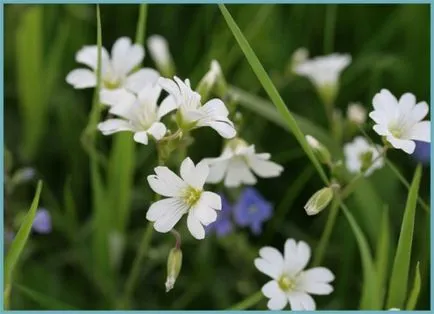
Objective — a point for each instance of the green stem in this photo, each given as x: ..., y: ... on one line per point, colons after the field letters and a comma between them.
x: 325, y: 237
x: 329, y: 28
x: 248, y: 302
x: 141, y: 24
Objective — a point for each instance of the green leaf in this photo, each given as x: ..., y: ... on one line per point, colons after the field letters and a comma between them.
x: 382, y: 257
x: 370, y: 286
x: 45, y: 301
x: 414, y: 294
x: 401, y: 265
x: 19, y: 243
x: 30, y: 78
x: 271, y: 90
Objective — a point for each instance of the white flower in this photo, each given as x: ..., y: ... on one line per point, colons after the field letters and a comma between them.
x: 299, y: 56
x: 138, y: 114
x: 185, y: 196
x: 400, y: 122
x: 356, y: 113
x: 159, y: 50
x: 116, y: 72
x: 394, y: 309
x: 192, y: 114
x: 324, y: 70
x: 236, y: 162
x: 291, y: 283
x: 313, y: 142
x: 359, y: 155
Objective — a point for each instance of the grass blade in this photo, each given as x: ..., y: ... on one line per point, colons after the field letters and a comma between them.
x: 19, y: 243
x: 47, y: 302
x: 382, y: 256
x: 414, y: 294
x: 401, y: 265
x: 271, y: 90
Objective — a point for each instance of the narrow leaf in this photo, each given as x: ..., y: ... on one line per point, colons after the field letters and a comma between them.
x: 47, y: 302
x: 401, y: 265
x: 271, y: 90
x: 414, y: 294
x: 382, y: 257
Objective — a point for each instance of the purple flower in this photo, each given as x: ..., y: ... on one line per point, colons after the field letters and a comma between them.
x: 252, y: 210
x: 42, y: 222
x: 422, y: 152
x: 223, y: 225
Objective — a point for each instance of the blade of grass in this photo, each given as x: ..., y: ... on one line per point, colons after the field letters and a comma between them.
x: 48, y: 302
x: 382, y: 257
x: 401, y: 266
x: 271, y: 90
x: 18, y: 244
x: 414, y: 294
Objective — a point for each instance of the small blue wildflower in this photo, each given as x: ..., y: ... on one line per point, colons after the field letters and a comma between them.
x: 252, y: 210
x: 223, y: 225
x: 422, y: 152
x: 42, y: 222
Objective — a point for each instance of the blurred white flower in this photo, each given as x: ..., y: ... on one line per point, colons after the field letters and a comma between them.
x: 159, y: 50
x: 117, y: 71
x: 394, y: 309
x: 291, y: 283
x: 319, y: 149
x: 185, y: 196
x: 138, y: 114
x: 236, y: 163
x: 299, y: 56
x: 361, y: 156
x: 324, y: 73
x: 400, y: 122
x: 191, y: 112
x: 356, y: 113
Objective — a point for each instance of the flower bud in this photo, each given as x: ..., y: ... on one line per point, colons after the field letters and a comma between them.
x: 174, y: 263
x: 319, y: 201
x: 299, y: 56
x: 159, y: 51
x: 213, y: 80
x: 320, y: 150
x: 356, y: 113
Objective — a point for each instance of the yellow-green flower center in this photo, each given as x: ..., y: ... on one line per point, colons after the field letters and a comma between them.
x: 286, y: 284
x: 191, y: 196
x: 112, y: 84
x: 395, y: 130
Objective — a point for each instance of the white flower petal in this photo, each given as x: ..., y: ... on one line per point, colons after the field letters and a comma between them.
x: 212, y: 200
x: 222, y: 125
x: 204, y: 213
x: 278, y: 301
x: 264, y: 168
x: 217, y: 171
x: 115, y: 97
x: 407, y: 102
x: 167, y: 105
x: 271, y: 289
x: 126, y: 56
x: 215, y: 108
x: 157, y: 130
x: 141, y: 137
x: 88, y: 55
x: 380, y: 117
x: 195, y: 227
x: 385, y: 101
x: 172, y: 209
x: 318, y: 275
x: 158, y: 48
x: 170, y: 86
x: 81, y: 78
x: 114, y: 125
x: 136, y: 81
x: 166, y: 182
x: 194, y: 176
x: 267, y: 268
x: 406, y: 145
x: 301, y: 301
x: 297, y: 255
x: 381, y: 129
x: 236, y: 174
x: 419, y: 112
x: 421, y: 132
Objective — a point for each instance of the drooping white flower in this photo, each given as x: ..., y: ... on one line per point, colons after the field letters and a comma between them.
x: 324, y: 73
x: 185, y: 195
x: 138, y: 114
x: 356, y: 113
x: 159, y: 50
x: 236, y: 163
x: 362, y: 156
x: 400, y: 122
x: 117, y: 71
x: 191, y: 112
x: 291, y: 283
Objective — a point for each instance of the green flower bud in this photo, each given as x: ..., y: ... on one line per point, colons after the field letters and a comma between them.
x: 320, y: 150
x: 319, y: 201
x: 214, y: 81
x: 174, y: 263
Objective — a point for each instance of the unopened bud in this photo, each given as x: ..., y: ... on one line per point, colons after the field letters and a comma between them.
x: 299, y: 56
x: 320, y: 150
x: 356, y: 113
x: 319, y: 201
x: 159, y: 51
x: 213, y: 80
x: 174, y: 263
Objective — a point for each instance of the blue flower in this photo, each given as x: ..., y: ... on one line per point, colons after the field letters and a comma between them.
x: 422, y: 152
x: 252, y: 210
x: 42, y: 222
x: 223, y: 225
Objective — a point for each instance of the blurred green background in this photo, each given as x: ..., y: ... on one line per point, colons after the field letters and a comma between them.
x: 44, y: 118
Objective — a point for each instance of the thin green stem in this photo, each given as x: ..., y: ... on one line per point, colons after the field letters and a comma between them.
x: 329, y: 28
x: 141, y: 24
x: 325, y: 237
x: 248, y: 302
